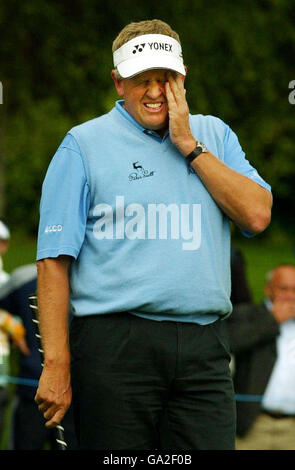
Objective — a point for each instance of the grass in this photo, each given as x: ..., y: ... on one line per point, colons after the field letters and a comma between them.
x: 22, y: 250
x: 4, y: 434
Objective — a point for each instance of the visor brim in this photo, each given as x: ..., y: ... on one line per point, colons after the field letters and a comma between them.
x: 131, y: 67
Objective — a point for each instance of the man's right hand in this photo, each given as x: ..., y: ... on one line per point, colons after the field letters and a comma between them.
x: 54, y: 394
x: 283, y: 310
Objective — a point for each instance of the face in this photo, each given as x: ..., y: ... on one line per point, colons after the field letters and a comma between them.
x: 145, y: 97
x: 282, y: 284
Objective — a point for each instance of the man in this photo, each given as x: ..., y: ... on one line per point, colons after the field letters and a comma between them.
x: 134, y: 232
x: 262, y: 338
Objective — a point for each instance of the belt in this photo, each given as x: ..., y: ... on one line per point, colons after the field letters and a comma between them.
x: 277, y: 414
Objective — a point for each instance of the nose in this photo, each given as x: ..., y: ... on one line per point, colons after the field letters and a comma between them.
x: 155, y: 89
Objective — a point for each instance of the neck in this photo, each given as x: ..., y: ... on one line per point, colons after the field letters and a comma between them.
x: 162, y: 131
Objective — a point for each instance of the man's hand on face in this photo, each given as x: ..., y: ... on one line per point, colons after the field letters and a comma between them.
x: 179, y: 127
x: 283, y: 310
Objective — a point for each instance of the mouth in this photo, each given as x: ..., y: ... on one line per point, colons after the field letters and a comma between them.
x: 154, y: 107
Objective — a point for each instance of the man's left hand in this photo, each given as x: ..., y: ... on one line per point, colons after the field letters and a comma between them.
x: 179, y: 126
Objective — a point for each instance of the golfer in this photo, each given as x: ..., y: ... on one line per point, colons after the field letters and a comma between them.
x: 134, y: 234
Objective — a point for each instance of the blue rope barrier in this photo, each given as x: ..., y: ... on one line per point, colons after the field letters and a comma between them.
x: 249, y: 398
x: 19, y: 381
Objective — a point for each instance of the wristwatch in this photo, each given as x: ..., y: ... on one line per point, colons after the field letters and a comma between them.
x: 200, y: 148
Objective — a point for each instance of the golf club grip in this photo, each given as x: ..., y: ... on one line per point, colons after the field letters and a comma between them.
x: 33, y: 302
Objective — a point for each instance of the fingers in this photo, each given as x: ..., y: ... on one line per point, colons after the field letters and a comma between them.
x: 169, y: 95
x: 175, y: 87
x: 43, y: 407
x: 179, y: 125
x: 54, y: 394
x: 175, y: 94
x: 55, y: 419
x: 53, y: 416
x: 52, y: 413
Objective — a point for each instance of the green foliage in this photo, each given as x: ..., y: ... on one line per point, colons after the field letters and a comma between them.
x: 55, y: 62
x: 28, y: 156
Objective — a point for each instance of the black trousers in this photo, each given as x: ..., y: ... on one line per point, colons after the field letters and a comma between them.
x: 147, y: 385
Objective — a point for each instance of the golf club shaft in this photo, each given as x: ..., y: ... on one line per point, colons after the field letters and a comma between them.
x: 33, y: 302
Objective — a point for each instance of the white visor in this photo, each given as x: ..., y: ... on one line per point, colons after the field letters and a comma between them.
x: 150, y: 51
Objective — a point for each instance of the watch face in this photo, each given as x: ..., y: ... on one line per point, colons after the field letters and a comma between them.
x: 203, y: 147
x: 198, y: 150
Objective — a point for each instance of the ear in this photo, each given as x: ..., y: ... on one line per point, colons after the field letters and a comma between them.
x: 118, y: 83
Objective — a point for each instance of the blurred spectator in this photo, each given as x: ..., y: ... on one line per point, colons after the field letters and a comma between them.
x: 28, y: 431
x: 4, y: 243
x: 262, y: 339
x: 10, y: 329
x: 240, y: 291
x: 4, y: 339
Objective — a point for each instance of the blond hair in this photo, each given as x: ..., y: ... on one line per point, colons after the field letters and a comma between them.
x: 134, y: 29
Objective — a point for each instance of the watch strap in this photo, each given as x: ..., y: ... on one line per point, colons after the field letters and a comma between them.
x: 200, y: 148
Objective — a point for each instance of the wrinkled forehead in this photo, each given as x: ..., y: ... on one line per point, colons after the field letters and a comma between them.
x: 284, y: 275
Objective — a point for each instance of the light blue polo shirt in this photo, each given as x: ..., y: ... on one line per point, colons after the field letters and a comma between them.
x: 145, y: 234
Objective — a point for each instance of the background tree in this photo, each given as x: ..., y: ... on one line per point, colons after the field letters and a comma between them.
x: 55, y: 69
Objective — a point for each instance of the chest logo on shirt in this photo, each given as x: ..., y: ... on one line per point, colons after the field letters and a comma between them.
x: 139, y: 172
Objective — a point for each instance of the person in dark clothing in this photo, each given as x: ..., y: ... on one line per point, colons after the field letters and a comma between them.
x: 262, y: 339
x: 27, y: 428
x: 240, y: 290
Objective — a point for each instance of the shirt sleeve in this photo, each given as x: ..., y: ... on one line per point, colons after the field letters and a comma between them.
x: 64, y: 203
x: 234, y: 157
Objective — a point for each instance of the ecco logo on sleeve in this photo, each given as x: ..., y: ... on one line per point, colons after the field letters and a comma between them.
x: 53, y: 228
